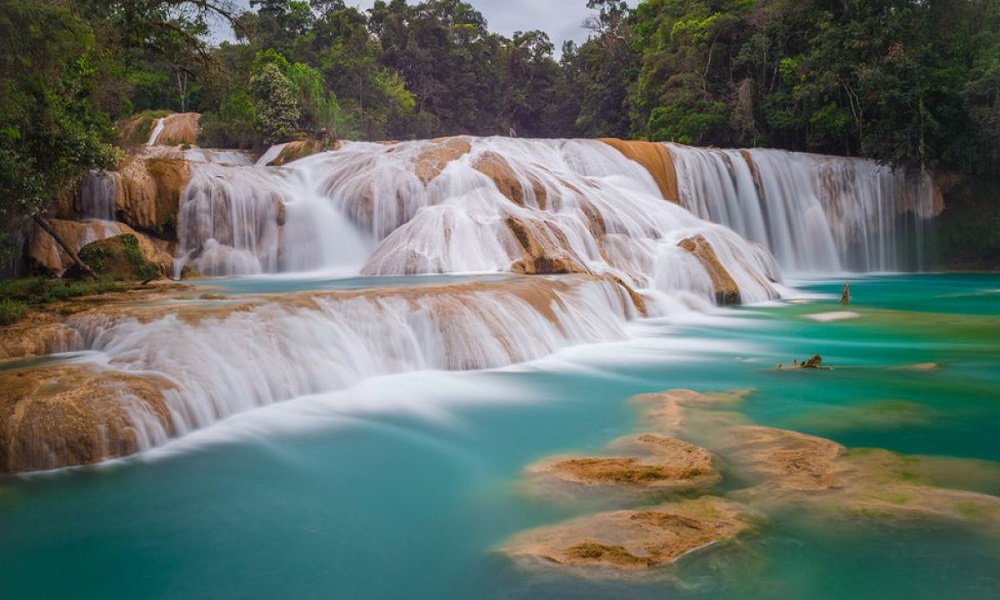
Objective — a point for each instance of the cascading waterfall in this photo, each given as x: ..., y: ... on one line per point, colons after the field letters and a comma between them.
x: 816, y: 214
x: 473, y: 205
x: 460, y: 205
x: 314, y: 343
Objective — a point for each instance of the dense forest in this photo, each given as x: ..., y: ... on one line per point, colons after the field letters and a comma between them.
x: 909, y: 82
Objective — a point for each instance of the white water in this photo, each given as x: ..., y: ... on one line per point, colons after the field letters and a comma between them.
x: 366, y: 210
x: 581, y: 199
x: 229, y: 361
x: 816, y: 214
x: 95, y: 196
x: 157, y: 130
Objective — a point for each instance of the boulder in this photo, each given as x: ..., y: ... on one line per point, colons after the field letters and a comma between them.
x: 723, y: 284
x: 509, y: 184
x: 48, y: 257
x: 121, y: 257
x: 52, y: 417
x: 543, y: 248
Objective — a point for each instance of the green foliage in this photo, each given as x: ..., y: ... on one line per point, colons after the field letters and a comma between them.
x: 51, y: 131
x: 118, y: 257
x: 275, y: 101
x: 11, y: 311
x: 910, y: 83
x: 20, y: 295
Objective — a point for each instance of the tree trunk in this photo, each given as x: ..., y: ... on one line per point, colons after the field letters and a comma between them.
x: 44, y: 224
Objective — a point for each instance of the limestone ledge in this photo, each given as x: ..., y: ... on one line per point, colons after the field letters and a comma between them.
x: 59, y: 416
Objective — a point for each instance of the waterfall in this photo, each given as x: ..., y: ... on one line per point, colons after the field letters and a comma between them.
x: 157, y: 130
x: 230, y: 358
x: 95, y: 196
x: 816, y: 214
x: 458, y: 205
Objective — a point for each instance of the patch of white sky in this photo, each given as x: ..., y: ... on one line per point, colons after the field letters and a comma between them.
x: 561, y: 19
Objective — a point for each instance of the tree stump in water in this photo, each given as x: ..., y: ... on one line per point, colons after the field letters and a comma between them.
x: 845, y: 294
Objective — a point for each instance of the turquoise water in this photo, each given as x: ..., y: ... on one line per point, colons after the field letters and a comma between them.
x: 402, y: 487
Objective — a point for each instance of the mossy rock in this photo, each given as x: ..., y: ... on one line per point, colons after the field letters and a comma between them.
x: 119, y: 258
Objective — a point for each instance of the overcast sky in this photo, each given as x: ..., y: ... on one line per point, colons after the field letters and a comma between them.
x: 561, y: 19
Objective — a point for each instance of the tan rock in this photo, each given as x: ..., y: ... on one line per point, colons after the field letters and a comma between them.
x: 655, y: 158
x: 644, y: 463
x: 608, y: 544
x: 149, y: 192
x: 726, y: 290
x: 46, y: 255
x: 432, y: 161
x: 53, y: 417
x: 178, y: 129
x: 546, y: 265
x: 297, y: 149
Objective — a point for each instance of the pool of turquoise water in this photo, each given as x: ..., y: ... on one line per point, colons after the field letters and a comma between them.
x: 384, y: 504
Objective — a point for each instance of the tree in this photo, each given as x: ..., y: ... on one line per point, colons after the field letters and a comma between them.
x: 51, y: 130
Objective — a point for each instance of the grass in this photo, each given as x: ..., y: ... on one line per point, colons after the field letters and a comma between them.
x: 21, y: 295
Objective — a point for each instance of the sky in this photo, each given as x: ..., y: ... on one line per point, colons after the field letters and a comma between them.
x: 561, y: 19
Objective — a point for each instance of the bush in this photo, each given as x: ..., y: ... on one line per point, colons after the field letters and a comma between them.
x: 11, y: 311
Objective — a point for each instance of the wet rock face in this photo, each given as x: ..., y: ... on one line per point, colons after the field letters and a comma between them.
x: 655, y: 158
x: 149, y: 191
x: 431, y: 162
x: 297, y: 149
x: 726, y: 290
x: 52, y: 417
x: 178, y: 129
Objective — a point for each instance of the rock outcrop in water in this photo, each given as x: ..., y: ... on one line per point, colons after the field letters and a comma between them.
x: 723, y: 285
x: 645, y: 465
x: 770, y: 470
x: 631, y: 540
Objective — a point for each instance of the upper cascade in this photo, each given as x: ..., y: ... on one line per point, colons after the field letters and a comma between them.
x: 464, y: 205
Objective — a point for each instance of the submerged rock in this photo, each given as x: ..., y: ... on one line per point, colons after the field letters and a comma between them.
x: 631, y: 540
x: 52, y: 417
x: 644, y: 464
